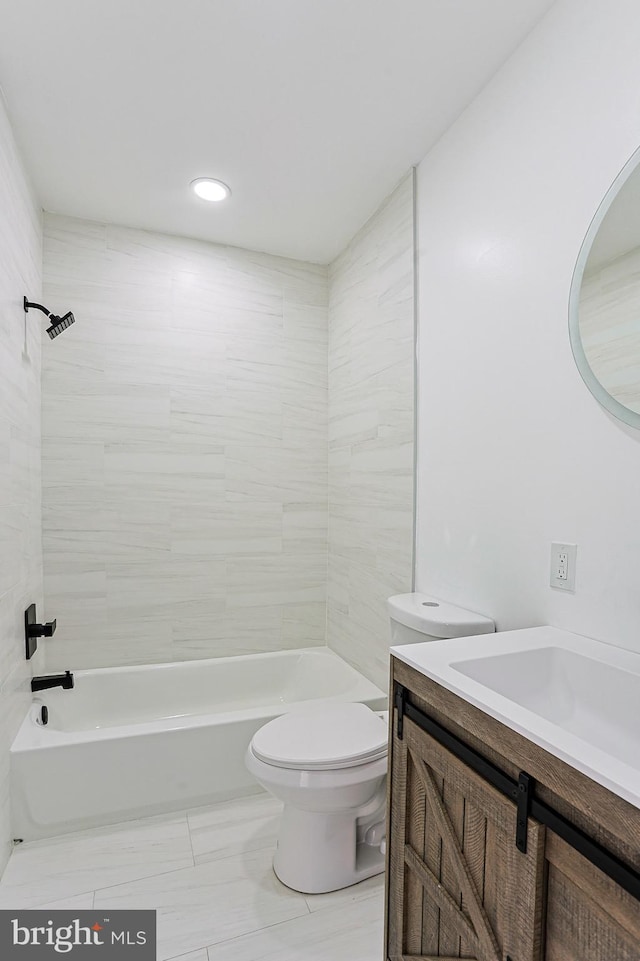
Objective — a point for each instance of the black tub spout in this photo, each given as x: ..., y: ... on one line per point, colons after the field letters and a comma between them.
x: 65, y: 681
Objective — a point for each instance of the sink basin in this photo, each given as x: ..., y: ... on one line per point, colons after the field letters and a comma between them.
x: 576, y: 697
x: 596, y: 701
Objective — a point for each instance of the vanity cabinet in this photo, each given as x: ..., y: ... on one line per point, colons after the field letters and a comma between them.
x: 589, y: 918
x: 457, y: 884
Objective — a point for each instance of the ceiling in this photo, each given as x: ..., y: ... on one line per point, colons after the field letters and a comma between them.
x: 311, y: 110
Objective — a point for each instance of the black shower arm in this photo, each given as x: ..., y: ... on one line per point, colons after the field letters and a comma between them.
x: 28, y: 303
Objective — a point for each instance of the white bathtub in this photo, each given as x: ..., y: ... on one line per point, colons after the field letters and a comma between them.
x: 128, y: 742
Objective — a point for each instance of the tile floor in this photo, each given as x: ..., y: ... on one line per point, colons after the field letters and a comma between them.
x: 208, y: 874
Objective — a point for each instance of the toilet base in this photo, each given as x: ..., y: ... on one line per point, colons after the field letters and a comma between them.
x: 318, y: 852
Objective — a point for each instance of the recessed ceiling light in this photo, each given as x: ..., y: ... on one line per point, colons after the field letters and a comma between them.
x: 209, y: 189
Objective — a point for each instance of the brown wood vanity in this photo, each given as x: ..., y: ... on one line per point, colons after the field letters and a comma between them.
x: 457, y: 884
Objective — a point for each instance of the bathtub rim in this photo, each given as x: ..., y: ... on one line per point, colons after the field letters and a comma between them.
x: 33, y: 736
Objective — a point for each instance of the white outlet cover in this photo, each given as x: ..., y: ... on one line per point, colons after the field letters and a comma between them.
x: 568, y: 583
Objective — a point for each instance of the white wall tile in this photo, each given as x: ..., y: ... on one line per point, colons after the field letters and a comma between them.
x: 20, y: 420
x: 371, y: 400
x: 608, y: 310
x: 185, y: 442
x: 186, y: 436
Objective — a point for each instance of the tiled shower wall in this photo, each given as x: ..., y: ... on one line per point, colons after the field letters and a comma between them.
x: 609, y: 300
x: 371, y: 428
x: 184, y: 449
x: 20, y: 536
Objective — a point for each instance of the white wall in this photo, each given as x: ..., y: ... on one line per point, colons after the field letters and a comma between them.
x: 20, y: 512
x: 184, y: 448
x: 514, y: 452
x: 371, y: 425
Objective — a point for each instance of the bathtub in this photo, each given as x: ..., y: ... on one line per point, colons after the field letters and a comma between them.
x: 129, y: 742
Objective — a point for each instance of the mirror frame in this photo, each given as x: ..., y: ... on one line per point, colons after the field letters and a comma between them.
x: 600, y: 393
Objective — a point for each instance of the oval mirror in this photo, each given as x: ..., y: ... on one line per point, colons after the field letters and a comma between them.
x: 604, y: 307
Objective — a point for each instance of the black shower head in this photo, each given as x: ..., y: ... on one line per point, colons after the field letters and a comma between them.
x: 58, y: 324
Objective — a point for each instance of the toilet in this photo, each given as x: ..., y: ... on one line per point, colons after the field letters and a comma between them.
x: 328, y: 764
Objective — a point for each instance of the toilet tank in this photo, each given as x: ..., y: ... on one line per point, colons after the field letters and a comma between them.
x: 418, y: 617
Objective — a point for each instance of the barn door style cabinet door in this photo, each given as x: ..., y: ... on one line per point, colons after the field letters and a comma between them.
x: 588, y: 917
x: 470, y: 873
x: 461, y: 888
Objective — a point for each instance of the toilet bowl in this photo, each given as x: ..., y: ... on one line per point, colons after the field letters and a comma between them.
x: 328, y: 765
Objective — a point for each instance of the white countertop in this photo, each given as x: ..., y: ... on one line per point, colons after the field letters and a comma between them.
x: 577, y: 698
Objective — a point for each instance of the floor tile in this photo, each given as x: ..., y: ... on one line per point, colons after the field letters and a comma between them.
x: 200, y: 955
x: 353, y: 932
x: 79, y: 902
x: 337, y: 899
x: 229, y: 901
x: 44, y: 871
x: 211, y: 902
x: 245, y: 824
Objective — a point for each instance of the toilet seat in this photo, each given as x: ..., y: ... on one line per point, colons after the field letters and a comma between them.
x: 340, y: 735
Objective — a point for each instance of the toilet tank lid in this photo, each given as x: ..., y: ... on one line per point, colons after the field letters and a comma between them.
x: 437, y: 618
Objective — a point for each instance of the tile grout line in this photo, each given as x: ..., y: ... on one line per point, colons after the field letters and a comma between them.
x: 146, y: 877
x: 180, y: 819
x: 187, y: 955
x: 265, y: 927
x: 204, y: 859
x: 193, y: 856
x: 239, y: 937
x: 344, y: 904
x: 188, y: 867
x: 42, y: 906
x: 133, y: 880
x: 198, y: 952
x: 100, y: 831
x: 107, y: 887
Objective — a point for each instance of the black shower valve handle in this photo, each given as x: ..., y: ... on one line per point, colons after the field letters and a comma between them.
x: 33, y: 630
x: 42, y: 630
